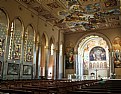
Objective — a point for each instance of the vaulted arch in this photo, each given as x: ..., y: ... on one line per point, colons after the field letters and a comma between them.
x: 4, y: 26
x: 95, y: 42
x: 44, y: 52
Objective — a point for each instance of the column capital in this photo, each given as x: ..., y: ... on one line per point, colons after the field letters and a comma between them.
x: 46, y: 47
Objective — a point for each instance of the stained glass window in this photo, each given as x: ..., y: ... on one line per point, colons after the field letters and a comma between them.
x: 61, y: 48
x: 52, y: 49
x: 28, y: 44
x: 15, y: 40
x: 3, y: 31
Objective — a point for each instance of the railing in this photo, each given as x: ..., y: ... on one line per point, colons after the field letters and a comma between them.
x: 85, y: 77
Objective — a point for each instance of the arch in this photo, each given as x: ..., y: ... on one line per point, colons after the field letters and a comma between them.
x: 15, y: 39
x: 29, y: 43
x: 52, y: 46
x: 51, y: 59
x: 20, y: 19
x: 93, y: 34
x: 44, y: 52
x: 31, y: 26
x: 33, y: 30
x: 4, y: 26
x: 52, y: 39
x: 46, y: 37
x: 84, y: 46
x: 6, y: 15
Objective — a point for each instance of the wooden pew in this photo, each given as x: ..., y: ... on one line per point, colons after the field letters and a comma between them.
x: 15, y: 91
x: 45, y: 86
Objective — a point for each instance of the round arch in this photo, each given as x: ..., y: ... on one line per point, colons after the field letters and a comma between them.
x: 82, y: 43
x: 93, y: 34
x: 7, y: 16
x: 4, y: 28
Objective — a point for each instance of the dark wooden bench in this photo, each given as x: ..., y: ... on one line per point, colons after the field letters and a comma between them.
x: 16, y: 91
x: 45, y: 86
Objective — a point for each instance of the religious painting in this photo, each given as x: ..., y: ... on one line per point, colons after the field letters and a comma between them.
x: 27, y: 69
x: 69, y: 58
x: 28, y: 44
x: 90, y: 8
x: 117, y: 43
x: 116, y: 52
x: 117, y: 59
x: 29, y: 54
x: 17, y: 51
x: 111, y: 3
x: 13, y: 69
x: 97, y: 54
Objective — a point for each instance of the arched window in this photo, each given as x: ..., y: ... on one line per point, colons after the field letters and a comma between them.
x: 61, y: 49
x: 3, y: 31
x: 52, y: 49
x: 28, y: 44
x: 15, y: 40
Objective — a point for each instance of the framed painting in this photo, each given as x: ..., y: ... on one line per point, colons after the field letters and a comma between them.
x: 13, y: 69
x: 69, y: 58
x: 27, y: 69
x: 117, y: 52
x: 117, y: 59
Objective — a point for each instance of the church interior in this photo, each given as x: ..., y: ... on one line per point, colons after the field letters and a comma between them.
x: 61, y: 45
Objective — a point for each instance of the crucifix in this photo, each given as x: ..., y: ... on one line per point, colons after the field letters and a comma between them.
x: 96, y: 73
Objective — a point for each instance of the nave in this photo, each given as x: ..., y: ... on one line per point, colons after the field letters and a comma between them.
x: 60, y: 46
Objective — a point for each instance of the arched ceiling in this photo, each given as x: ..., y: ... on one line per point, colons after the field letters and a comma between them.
x: 78, y: 15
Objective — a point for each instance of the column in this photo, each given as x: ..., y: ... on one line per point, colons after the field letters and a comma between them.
x: 57, y: 64
x: 57, y: 55
x: 37, y: 59
x: 96, y: 73
x: 46, y: 61
x: 76, y: 65
x: 111, y: 61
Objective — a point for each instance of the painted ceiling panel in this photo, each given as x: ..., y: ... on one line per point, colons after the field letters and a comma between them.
x: 78, y: 15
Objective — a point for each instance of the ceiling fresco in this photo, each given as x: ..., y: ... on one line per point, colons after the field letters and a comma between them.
x: 78, y: 15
